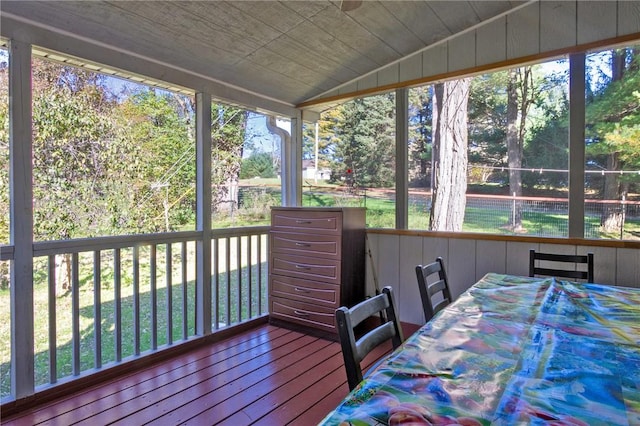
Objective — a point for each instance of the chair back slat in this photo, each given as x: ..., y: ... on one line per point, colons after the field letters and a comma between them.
x: 382, y: 307
x: 429, y: 289
x: 575, y: 260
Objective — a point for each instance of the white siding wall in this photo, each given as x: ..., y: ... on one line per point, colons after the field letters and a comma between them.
x: 534, y: 29
x: 467, y: 260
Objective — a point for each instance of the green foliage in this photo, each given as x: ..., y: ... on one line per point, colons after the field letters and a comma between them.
x: 420, y: 135
x: 228, y: 132
x: 488, y: 119
x: 365, y: 132
x: 326, y: 138
x: 4, y: 155
x: 74, y: 152
x: 613, y: 118
x: 259, y: 164
x: 158, y: 127
x: 108, y: 165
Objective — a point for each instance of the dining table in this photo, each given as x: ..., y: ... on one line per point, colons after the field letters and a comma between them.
x: 512, y: 350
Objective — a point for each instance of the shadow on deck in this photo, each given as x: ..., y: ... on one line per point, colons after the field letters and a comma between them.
x: 266, y: 375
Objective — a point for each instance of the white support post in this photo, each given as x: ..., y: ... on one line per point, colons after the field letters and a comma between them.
x: 402, y: 158
x: 203, y: 213
x: 291, y: 156
x: 296, y: 142
x: 576, y: 145
x: 21, y: 219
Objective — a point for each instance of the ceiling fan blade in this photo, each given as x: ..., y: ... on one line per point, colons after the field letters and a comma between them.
x: 349, y: 5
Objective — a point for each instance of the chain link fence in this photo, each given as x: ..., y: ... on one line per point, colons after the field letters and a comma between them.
x: 538, y: 216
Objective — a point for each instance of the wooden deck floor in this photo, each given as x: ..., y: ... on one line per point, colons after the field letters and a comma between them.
x: 265, y: 376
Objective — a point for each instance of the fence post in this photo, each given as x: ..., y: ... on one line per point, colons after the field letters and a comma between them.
x: 624, y: 211
x: 513, y: 213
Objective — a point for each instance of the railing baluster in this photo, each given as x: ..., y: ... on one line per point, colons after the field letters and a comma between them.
x: 117, y: 303
x: 215, y: 250
x: 259, y: 274
x: 53, y: 345
x: 154, y: 296
x: 249, y: 275
x: 238, y: 293
x: 228, y: 298
x: 169, y: 281
x: 136, y: 300
x: 185, y: 317
x: 75, y: 312
x: 97, y: 310
x: 239, y: 275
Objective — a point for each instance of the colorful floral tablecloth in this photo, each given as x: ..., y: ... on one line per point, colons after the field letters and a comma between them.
x: 512, y: 350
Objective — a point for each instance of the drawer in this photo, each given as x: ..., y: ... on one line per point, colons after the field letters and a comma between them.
x: 329, y: 222
x: 306, y: 244
x: 318, y: 269
x: 303, y: 313
x: 306, y: 291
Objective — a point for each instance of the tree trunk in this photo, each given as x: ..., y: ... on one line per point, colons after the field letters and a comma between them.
x: 449, y: 155
x: 63, y: 280
x: 611, y: 219
x: 514, y: 147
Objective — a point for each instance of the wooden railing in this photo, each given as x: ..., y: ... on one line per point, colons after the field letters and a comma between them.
x: 101, y: 301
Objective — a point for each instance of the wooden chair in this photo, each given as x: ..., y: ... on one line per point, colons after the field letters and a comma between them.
x: 428, y: 290
x: 563, y: 273
x: 354, y: 350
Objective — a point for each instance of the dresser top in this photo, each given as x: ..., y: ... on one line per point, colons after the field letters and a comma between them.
x: 320, y: 209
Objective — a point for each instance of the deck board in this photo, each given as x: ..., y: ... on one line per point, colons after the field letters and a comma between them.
x: 264, y: 376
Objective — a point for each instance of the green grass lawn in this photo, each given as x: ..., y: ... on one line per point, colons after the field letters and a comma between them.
x: 234, y: 304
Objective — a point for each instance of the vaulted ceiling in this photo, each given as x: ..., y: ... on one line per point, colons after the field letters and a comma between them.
x: 287, y: 51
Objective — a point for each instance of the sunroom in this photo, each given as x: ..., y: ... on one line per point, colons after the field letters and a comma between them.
x: 145, y: 143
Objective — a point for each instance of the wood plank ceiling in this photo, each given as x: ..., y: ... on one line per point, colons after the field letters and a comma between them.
x: 289, y: 51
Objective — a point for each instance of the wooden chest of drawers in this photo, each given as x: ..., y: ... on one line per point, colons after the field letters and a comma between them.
x: 316, y: 264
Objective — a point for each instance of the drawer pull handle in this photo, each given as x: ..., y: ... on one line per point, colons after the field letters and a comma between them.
x: 303, y: 245
x: 301, y: 290
x: 303, y: 267
x: 304, y: 222
x: 300, y: 313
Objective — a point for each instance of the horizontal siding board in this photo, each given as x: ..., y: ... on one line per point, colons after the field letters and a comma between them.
x: 628, y: 267
x: 371, y: 263
x: 491, y: 42
x: 348, y: 88
x: 462, y: 52
x: 523, y: 32
x: 517, y: 258
x: 597, y: 20
x: 434, y: 60
x: 408, y: 295
x: 490, y: 257
x: 411, y: 68
x: 604, y: 263
x: 628, y: 17
x: 389, y: 75
x: 461, y: 270
x: 368, y: 82
x: 389, y: 260
x: 433, y: 248
x: 557, y: 25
